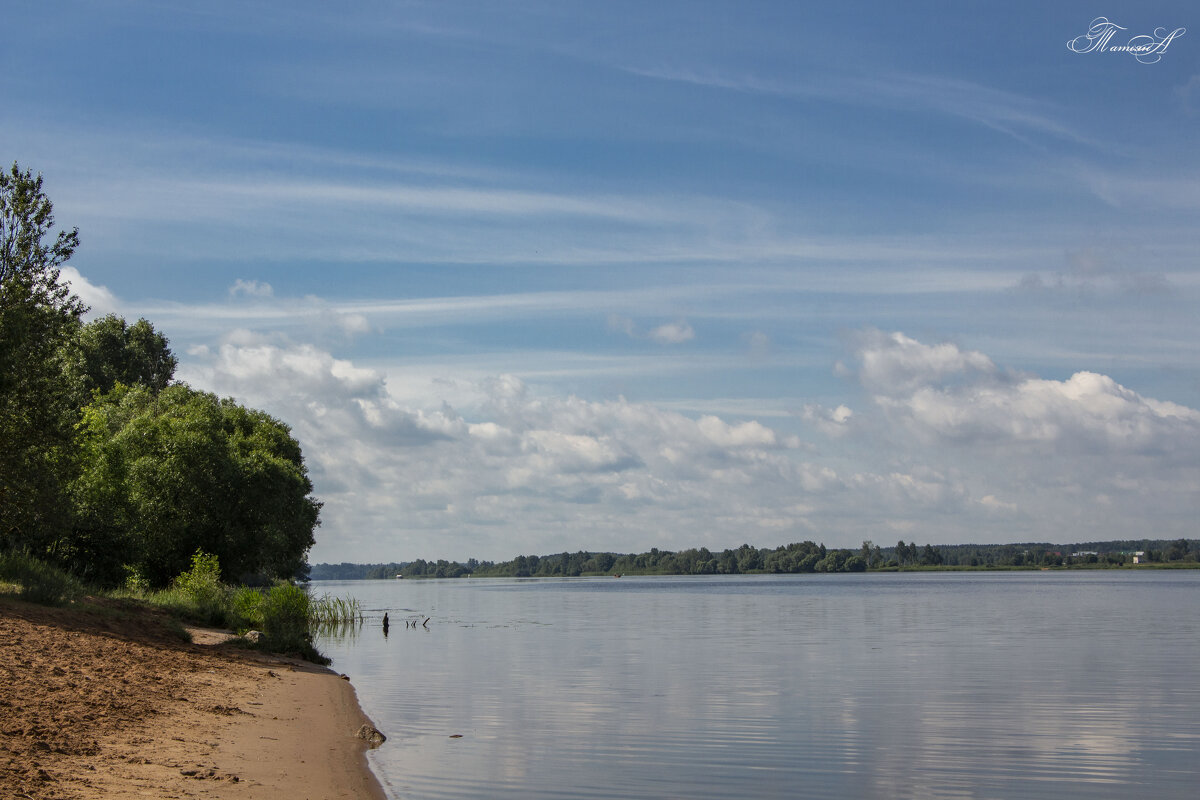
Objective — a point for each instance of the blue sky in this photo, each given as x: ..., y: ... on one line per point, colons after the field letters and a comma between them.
x: 530, y: 277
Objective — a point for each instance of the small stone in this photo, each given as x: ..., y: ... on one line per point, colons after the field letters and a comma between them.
x: 253, y: 637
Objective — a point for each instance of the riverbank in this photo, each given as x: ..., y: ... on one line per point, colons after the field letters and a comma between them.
x: 106, y: 699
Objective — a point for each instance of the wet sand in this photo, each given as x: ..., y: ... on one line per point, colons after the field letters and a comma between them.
x: 105, y: 701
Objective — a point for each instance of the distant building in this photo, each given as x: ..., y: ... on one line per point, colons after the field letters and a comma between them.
x: 1139, y: 557
x: 1083, y: 553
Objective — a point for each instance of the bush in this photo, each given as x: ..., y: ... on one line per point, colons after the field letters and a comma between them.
x: 245, y: 606
x: 283, y: 612
x: 285, y: 618
x: 39, y: 582
x: 206, y: 599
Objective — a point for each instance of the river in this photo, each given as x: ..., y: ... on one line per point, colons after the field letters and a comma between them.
x: 915, y: 685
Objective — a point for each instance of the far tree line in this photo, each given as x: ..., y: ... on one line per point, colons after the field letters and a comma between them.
x: 800, y: 557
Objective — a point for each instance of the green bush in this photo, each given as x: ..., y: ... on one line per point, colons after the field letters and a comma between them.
x: 285, y: 617
x: 39, y: 582
x: 282, y: 613
x: 200, y: 591
x: 245, y: 609
x: 135, y: 580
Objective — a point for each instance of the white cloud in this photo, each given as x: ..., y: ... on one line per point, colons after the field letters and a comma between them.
x: 830, y: 421
x: 98, y: 298
x: 673, y: 333
x: 893, y: 364
x: 676, y: 332
x: 950, y: 448
x: 957, y: 395
x: 1081, y: 458
x: 993, y: 503
x: 251, y: 288
x: 510, y: 469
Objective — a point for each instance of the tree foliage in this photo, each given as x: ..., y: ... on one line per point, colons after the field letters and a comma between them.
x: 167, y: 473
x: 105, y: 467
x: 37, y: 315
x: 109, y: 351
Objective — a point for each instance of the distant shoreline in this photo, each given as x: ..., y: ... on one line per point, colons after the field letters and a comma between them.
x: 796, y: 558
x: 1189, y: 565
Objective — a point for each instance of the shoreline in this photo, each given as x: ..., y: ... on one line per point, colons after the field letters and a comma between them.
x: 105, y: 699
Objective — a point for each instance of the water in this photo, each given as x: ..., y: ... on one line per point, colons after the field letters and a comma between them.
x: 935, y: 685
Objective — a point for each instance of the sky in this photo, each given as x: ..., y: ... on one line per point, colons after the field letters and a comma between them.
x: 533, y: 277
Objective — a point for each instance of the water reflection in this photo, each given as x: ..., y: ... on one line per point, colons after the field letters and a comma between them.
x: 1025, y: 685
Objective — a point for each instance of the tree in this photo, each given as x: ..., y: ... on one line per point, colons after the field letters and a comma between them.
x: 37, y: 314
x: 1179, y: 550
x: 164, y: 474
x: 109, y: 351
x: 748, y: 559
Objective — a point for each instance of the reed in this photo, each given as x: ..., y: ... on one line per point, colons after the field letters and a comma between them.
x: 329, y: 611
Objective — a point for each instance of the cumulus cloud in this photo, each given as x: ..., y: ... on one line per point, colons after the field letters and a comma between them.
x: 509, y: 463
x: 251, y: 288
x: 1083, y: 458
x: 992, y: 503
x: 1088, y: 412
x: 98, y: 298
x: 830, y: 421
x: 673, y: 333
x: 947, y: 445
x: 953, y: 395
x: 676, y: 332
x: 893, y: 364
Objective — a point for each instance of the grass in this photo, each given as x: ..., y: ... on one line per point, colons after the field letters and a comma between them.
x: 284, y: 613
x: 327, y: 610
x: 36, y: 581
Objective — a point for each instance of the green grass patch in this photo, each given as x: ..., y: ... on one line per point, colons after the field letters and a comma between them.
x: 38, y: 582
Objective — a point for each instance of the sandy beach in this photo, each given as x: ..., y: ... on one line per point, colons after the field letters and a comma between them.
x: 105, y: 701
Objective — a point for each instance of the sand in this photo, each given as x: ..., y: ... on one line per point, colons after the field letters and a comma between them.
x: 104, y: 701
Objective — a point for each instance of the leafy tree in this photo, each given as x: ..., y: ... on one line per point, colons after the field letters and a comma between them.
x: 37, y: 314
x: 166, y: 474
x: 749, y: 559
x: 109, y: 351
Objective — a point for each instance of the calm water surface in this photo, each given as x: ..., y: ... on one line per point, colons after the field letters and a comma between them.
x: 946, y: 685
